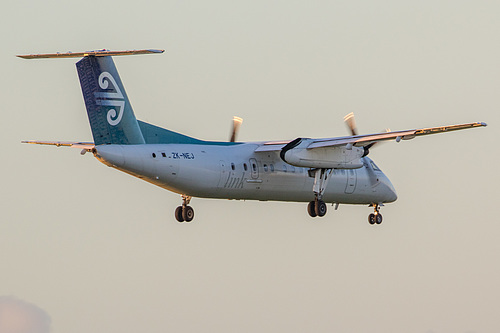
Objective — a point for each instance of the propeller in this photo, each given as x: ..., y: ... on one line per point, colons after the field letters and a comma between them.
x: 236, y: 126
x: 351, y: 123
x: 370, y: 145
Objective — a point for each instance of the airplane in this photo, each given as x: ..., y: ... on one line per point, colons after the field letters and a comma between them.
x: 333, y: 170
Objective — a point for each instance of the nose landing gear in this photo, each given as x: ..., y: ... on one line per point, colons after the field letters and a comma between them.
x: 184, y: 213
x: 375, y: 217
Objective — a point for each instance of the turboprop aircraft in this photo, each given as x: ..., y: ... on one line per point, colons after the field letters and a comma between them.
x: 333, y: 170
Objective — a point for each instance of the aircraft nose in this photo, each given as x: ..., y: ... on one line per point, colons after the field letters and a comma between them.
x: 390, y: 191
x: 393, y: 196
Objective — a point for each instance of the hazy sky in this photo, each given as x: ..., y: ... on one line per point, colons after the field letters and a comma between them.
x: 100, y: 251
x: 17, y: 316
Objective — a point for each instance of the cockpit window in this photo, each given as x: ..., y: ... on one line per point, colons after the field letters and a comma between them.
x: 376, y: 168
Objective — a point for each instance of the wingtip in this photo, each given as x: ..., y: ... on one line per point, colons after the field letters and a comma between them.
x: 483, y: 124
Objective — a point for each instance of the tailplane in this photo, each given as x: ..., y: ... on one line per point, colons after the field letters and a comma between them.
x: 111, y: 117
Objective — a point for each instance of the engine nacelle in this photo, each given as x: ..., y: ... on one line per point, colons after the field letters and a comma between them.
x: 336, y: 157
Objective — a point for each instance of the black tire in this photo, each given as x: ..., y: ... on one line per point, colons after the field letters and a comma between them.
x: 378, y: 218
x: 178, y: 214
x: 311, y: 209
x: 188, y: 213
x: 371, y: 218
x: 320, y: 208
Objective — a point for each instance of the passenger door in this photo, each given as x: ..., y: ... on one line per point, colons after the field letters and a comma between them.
x: 254, y: 168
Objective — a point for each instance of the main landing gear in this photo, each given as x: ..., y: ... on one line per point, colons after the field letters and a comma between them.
x: 317, y: 207
x: 184, y: 213
x: 375, y: 217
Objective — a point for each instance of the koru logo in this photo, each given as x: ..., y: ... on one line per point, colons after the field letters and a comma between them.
x: 115, y: 99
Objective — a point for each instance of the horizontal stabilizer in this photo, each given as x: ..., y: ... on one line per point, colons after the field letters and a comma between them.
x: 97, y: 53
x: 81, y: 145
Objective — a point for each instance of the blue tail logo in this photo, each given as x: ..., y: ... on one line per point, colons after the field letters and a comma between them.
x: 113, y: 99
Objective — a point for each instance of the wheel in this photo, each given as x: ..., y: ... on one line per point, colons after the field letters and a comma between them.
x: 188, y: 213
x: 378, y: 218
x: 178, y: 214
x: 371, y: 218
x: 311, y: 209
x: 320, y: 208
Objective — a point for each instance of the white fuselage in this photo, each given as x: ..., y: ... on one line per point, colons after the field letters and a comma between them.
x: 238, y: 172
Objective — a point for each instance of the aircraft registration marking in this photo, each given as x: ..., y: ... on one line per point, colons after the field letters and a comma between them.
x: 185, y: 156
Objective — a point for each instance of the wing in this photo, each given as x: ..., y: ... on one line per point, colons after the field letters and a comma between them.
x: 272, y: 146
x: 369, y: 139
x: 88, y: 146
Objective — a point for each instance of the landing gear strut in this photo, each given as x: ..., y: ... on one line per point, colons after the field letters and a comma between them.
x: 317, y: 207
x: 184, y: 213
x: 375, y: 217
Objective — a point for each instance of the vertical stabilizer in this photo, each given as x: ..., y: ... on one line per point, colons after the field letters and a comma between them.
x: 111, y: 117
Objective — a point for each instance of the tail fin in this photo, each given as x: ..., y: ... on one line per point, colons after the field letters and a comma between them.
x: 111, y: 117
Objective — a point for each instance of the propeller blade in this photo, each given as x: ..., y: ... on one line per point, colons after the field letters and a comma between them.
x: 236, y: 126
x: 371, y: 145
x: 351, y: 123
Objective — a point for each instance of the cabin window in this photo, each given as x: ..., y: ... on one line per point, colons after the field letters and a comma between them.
x: 245, y: 166
x: 232, y: 166
x: 163, y: 154
x: 293, y: 168
x: 265, y: 167
x: 374, y: 166
x: 271, y: 167
x: 154, y: 155
x: 284, y: 168
x: 254, y: 167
